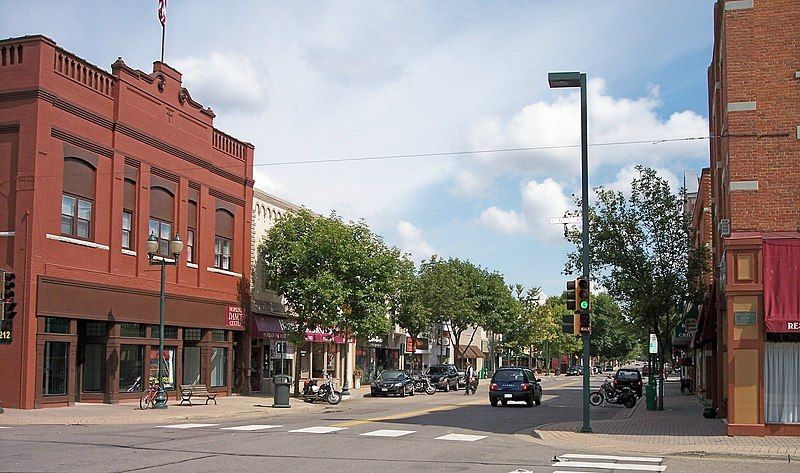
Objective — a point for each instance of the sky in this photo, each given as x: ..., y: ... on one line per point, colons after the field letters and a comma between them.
x: 317, y: 81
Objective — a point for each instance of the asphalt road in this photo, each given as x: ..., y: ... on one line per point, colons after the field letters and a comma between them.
x: 439, y: 433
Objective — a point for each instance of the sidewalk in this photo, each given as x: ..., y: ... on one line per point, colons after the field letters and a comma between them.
x: 231, y: 407
x: 680, y: 429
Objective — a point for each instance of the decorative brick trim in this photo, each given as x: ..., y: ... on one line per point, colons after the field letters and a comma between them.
x: 226, y: 197
x: 741, y: 106
x: 75, y: 241
x: 798, y: 132
x: 81, y: 142
x: 9, y: 128
x: 128, y: 252
x: 797, y: 75
x: 222, y: 271
x: 7, y: 234
x: 732, y: 5
x: 743, y: 186
x: 192, y: 265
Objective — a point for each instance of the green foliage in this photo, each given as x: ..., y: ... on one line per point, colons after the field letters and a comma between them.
x: 612, y: 335
x: 559, y: 342
x: 333, y: 275
x: 464, y: 296
x: 641, y: 253
x: 406, y: 306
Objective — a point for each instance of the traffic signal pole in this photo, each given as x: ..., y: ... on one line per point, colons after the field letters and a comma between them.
x: 585, y: 243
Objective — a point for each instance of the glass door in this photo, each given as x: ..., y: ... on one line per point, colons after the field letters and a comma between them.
x: 191, y: 365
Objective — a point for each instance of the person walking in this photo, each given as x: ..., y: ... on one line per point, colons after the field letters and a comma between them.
x: 469, y: 374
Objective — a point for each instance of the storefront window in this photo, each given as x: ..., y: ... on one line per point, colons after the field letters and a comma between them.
x: 95, y: 329
x: 219, y: 336
x: 168, y: 370
x: 170, y: 333
x: 191, y: 334
x: 132, y: 330
x: 56, y: 325
x: 191, y: 365
x: 219, y: 366
x: 55, y: 368
x: 131, y: 365
x: 94, y: 368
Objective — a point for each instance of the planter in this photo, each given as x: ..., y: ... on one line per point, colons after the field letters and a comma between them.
x: 710, y: 413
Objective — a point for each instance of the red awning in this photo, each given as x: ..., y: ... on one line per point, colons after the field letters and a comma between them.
x: 268, y: 326
x: 782, y: 285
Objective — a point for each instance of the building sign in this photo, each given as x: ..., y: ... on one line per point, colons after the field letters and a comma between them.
x: 422, y: 344
x: 234, y: 316
x: 744, y: 317
x: 5, y: 332
x: 409, y: 345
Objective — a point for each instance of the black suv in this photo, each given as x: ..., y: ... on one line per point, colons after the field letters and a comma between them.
x: 629, y: 377
x: 515, y: 384
x: 444, y: 377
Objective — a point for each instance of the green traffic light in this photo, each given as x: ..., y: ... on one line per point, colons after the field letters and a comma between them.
x: 584, y: 305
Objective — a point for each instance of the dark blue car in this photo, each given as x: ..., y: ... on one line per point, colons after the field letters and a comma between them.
x: 515, y: 384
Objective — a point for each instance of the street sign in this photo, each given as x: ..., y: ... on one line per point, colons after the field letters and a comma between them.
x: 653, y: 343
x: 562, y: 220
x: 280, y: 347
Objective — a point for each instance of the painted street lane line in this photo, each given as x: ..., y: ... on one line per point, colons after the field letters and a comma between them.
x: 186, y: 426
x: 318, y: 430
x: 610, y: 466
x: 389, y: 433
x: 581, y: 456
x: 461, y: 437
x: 250, y: 428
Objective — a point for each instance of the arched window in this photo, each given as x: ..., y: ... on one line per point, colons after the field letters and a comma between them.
x: 162, y: 204
x: 77, y: 198
x: 223, y: 240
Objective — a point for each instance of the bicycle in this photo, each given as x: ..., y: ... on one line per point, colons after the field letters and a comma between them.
x: 148, y: 399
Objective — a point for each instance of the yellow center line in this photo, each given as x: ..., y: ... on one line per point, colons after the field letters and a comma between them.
x: 405, y: 415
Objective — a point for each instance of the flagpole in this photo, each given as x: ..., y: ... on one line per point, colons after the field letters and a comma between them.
x: 163, y: 34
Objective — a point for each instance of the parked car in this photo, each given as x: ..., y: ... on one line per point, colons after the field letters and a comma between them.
x: 392, y: 382
x: 630, y: 377
x: 515, y: 384
x: 444, y: 377
x: 575, y: 370
x: 609, y: 367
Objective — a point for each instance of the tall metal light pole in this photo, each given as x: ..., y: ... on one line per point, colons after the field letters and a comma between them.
x: 578, y: 79
x: 175, y: 247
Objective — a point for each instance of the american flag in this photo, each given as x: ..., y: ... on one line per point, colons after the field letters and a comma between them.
x: 162, y: 12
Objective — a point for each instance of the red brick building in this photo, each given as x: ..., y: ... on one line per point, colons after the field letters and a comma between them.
x: 92, y: 163
x: 754, y: 113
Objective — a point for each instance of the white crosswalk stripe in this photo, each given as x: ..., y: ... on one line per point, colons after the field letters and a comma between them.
x: 186, y: 426
x: 318, y: 430
x: 251, y: 428
x: 575, y: 462
x: 461, y: 437
x: 388, y: 433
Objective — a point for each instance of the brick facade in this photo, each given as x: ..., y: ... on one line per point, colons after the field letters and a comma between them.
x: 754, y: 119
x: 130, y: 130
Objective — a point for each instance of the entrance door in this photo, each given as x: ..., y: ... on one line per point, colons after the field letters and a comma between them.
x: 191, y: 365
x: 255, y: 369
x: 93, y: 368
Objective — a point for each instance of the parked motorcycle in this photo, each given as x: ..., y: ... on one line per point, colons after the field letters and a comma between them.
x: 423, y: 385
x: 613, y: 395
x: 321, y: 392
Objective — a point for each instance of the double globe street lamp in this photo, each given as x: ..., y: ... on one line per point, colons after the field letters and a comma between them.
x: 175, y: 248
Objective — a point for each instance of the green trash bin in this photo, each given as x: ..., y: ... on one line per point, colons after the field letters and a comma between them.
x: 282, y: 383
x: 651, y: 396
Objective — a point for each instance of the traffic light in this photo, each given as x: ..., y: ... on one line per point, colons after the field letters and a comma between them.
x: 570, y: 324
x: 7, y: 295
x: 582, y: 295
x: 584, y: 322
x: 571, y: 295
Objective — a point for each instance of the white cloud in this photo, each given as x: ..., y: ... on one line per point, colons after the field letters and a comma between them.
x: 410, y: 240
x: 539, y: 202
x: 505, y: 221
x: 267, y: 183
x: 627, y: 174
x: 224, y: 82
x: 611, y: 120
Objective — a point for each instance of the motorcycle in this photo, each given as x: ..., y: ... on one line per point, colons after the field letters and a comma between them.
x: 321, y: 392
x: 423, y: 385
x: 612, y: 395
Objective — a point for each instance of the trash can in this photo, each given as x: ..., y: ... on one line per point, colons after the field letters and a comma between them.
x: 651, y: 397
x: 282, y: 383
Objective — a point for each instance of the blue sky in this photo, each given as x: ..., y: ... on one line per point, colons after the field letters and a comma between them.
x: 326, y: 80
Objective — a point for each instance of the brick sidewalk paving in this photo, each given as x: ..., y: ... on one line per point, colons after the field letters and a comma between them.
x: 679, y: 429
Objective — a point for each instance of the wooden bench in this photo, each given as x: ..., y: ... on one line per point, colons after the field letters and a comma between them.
x: 188, y: 391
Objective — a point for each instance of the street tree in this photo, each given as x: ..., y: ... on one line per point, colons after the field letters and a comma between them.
x: 333, y: 275
x: 641, y: 253
x: 406, y: 306
x: 613, y: 337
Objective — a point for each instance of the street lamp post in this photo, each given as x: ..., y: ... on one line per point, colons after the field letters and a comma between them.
x: 175, y: 247
x: 578, y: 79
